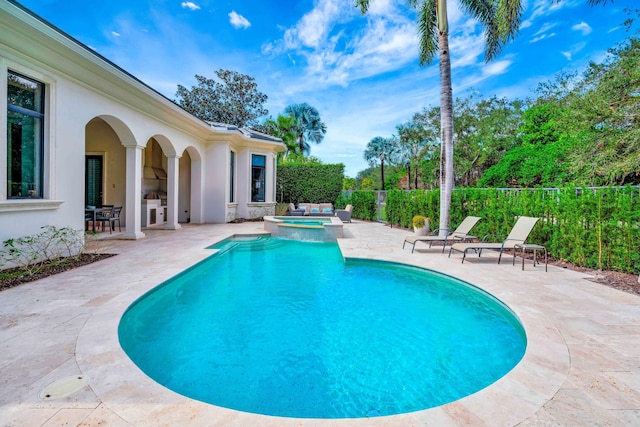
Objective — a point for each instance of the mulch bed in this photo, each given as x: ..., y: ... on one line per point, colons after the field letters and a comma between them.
x: 622, y: 281
x: 10, y: 278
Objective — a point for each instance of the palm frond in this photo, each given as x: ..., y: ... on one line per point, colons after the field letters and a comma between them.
x: 500, y: 20
x: 509, y: 16
x: 427, y: 31
x: 363, y: 5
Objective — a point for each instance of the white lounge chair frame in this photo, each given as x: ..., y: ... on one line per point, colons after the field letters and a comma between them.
x: 518, y: 235
x: 459, y: 234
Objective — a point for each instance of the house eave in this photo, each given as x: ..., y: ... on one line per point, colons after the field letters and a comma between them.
x: 60, y: 53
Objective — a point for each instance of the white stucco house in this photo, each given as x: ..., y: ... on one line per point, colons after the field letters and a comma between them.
x: 81, y: 131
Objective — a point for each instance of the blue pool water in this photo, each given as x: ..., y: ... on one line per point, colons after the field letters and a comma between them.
x: 306, y: 223
x: 288, y: 328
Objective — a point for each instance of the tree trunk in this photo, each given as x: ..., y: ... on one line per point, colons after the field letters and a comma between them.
x: 409, y: 176
x: 446, y: 129
x: 382, y: 172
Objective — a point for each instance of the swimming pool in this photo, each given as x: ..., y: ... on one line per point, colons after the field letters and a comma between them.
x: 267, y: 328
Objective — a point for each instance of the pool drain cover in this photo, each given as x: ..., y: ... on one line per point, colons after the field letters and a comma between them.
x: 64, y: 387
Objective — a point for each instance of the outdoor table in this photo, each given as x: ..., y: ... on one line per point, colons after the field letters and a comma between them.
x: 94, y: 211
x: 529, y: 247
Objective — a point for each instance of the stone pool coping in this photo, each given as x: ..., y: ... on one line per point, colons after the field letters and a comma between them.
x: 581, y: 366
x: 330, y: 231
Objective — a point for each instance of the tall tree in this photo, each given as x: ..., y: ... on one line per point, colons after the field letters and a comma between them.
x: 428, y: 121
x: 605, y: 112
x: 285, y: 128
x: 485, y: 129
x: 310, y: 128
x: 412, y: 142
x: 232, y: 99
x: 500, y: 20
x: 381, y: 149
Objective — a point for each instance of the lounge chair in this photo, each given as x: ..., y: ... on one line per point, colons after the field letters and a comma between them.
x: 518, y: 235
x: 344, y: 214
x: 459, y: 234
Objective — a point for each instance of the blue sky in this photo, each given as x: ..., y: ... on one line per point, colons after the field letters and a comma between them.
x: 360, y: 72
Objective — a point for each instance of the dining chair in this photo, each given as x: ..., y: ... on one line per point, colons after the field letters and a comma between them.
x: 115, y: 217
x: 104, y: 215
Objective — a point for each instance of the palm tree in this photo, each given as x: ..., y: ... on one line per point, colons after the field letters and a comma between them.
x: 381, y: 149
x: 310, y: 127
x: 500, y: 20
x: 285, y: 128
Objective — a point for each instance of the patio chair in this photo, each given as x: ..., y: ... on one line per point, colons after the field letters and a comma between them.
x: 89, y: 212
x: 344, y: 214
x: 518, y: 235
x: 459, y: 234
x: 103, y: 215
x: 293, y: 211
x: 115, y: 217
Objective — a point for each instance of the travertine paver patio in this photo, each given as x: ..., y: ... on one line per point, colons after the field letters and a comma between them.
x: 582, y: 365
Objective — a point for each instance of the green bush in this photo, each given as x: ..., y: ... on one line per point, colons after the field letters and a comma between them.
x: 32, y: 253
x: 596, y: 228
x: 309, y: 183
x: 419, y: 221
x: 281, y: 209
x: 403, y: 205
x: 364, y: 205
x: 342, y: 201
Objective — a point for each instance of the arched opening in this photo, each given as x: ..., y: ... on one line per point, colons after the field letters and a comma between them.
x: 154, y: 184
x: 105, y: 162
x: 190, y: 187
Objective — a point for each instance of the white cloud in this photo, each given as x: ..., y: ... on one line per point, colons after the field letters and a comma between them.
x: 545, y: 8
x: 336, y: 45
x: 238, y: 21
x: 574, y: 49
x: 546, y: 27
x: 496, y: 68
x: 189, y: 5
x: 381, y: 7
x: 543, y: 33
x: 541, y: 37
x: 314, y: 27
x: 582, y: 27
x: 115, y: 34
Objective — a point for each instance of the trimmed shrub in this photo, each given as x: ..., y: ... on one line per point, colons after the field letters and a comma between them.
x: 595, y: 228
x: 309, y: 183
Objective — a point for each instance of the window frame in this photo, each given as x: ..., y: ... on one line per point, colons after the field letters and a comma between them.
x: 48, y: 201
x: 262, y: 188
x: 233, y: 162
x: 39, y: 133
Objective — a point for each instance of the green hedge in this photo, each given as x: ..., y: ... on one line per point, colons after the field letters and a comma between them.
x: 365, y: 204
x: 596, y: 228
x: 309, y: 183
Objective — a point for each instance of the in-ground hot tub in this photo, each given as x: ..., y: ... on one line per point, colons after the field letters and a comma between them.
x: 319, y: 229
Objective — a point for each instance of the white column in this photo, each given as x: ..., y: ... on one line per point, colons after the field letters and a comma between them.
x: 197, y: 193
x: 134, y: 193
x: 172, y: 193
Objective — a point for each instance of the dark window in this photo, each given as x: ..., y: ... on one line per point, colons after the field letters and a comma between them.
x: 25, y: 137
x: 232, y: 174
x: 258, y: 168
x: 93, y: 180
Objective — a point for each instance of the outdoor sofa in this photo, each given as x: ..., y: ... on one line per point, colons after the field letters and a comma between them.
x: 311, y: 209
